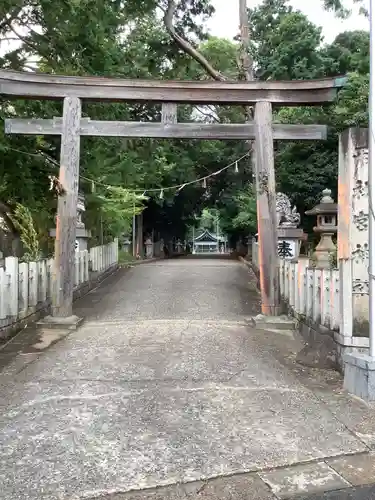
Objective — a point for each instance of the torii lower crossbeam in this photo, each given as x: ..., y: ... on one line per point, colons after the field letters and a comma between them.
x: 167, y: 129
x: 209, y: 131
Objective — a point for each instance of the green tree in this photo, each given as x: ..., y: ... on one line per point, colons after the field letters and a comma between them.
x: 284, y: 42
x: 287, y: 45
x: 98, y: 37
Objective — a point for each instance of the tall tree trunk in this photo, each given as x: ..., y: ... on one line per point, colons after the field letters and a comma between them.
x: 247, y: 61
x: 247, y: 70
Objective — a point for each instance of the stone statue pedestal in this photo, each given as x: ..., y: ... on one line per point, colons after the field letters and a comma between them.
x: 289, y: 241
x: 82, y: 237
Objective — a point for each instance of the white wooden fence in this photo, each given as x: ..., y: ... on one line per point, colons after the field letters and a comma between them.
x: 308, y: 292
x: 26, y: 287
x: 311, y: 293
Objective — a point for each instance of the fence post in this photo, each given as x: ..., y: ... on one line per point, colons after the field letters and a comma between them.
x: 42, y: 269
x: 86, y: 266
x: 310, y: 293
x: 292, y: 284
x: 49, y: 269
x: 317, y: 309
x: 282, y: 278
x: 305, y: 294
x: 3, y: 294
x: 96, y: 259
x: 23, y: 288
x: 101, y: 252
x: 287, y: 281
x: 116, y: 251
x: 92, y: 258
x: 296, y: 287
x: 335, y: 300
x: 303, y: 264
x: 11, y: 268
x: 325, y: 297
x: 82, y: 266
x: 33, y: 284
x: 76, y: 269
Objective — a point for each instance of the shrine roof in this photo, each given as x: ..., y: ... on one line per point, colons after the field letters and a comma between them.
x: 206, y: 236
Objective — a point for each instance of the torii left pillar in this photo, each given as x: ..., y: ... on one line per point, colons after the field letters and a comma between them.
x: 266, y: 210
x: 63, y: 272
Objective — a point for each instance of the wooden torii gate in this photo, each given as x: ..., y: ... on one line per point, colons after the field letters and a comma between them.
x: 263, y: 95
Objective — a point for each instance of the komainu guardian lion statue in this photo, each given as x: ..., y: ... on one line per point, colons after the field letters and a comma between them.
x: 286, y: 215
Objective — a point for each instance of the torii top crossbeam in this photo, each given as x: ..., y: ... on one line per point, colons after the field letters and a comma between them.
x: 287, y: 93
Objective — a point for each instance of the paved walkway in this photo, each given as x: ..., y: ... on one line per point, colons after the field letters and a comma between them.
x: 166, y: 386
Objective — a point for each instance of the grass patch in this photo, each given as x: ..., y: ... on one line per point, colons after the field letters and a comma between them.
x: 125, y: 257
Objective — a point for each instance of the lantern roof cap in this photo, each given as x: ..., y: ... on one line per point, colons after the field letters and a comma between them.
x: 326, y: 206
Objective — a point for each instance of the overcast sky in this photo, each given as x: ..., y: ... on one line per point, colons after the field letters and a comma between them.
x: 225, y: 21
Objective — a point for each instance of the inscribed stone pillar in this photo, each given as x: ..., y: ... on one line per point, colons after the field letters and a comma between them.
x: 352, y: 237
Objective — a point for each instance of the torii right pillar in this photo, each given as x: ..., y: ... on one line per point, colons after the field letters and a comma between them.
x: 266, y: 210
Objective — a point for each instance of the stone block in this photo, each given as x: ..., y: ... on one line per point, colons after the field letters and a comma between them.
x: 240, y: 487
x: 54, y: 322
x: 357, y: 469
x: 359, y: 375
x: 302, y: 479
x: 53, y: 328
x: 262, y: 322
x: 360, y: 493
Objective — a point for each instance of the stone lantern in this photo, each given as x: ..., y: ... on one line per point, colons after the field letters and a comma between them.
x: 126, y: 244
x: 326, y: 213
x: 82, y: 234
x: 149, y: 245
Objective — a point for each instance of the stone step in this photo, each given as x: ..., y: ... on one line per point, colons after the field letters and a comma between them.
x: 261, y: 322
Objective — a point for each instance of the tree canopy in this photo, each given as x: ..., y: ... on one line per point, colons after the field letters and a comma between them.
x: 166, y: 39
